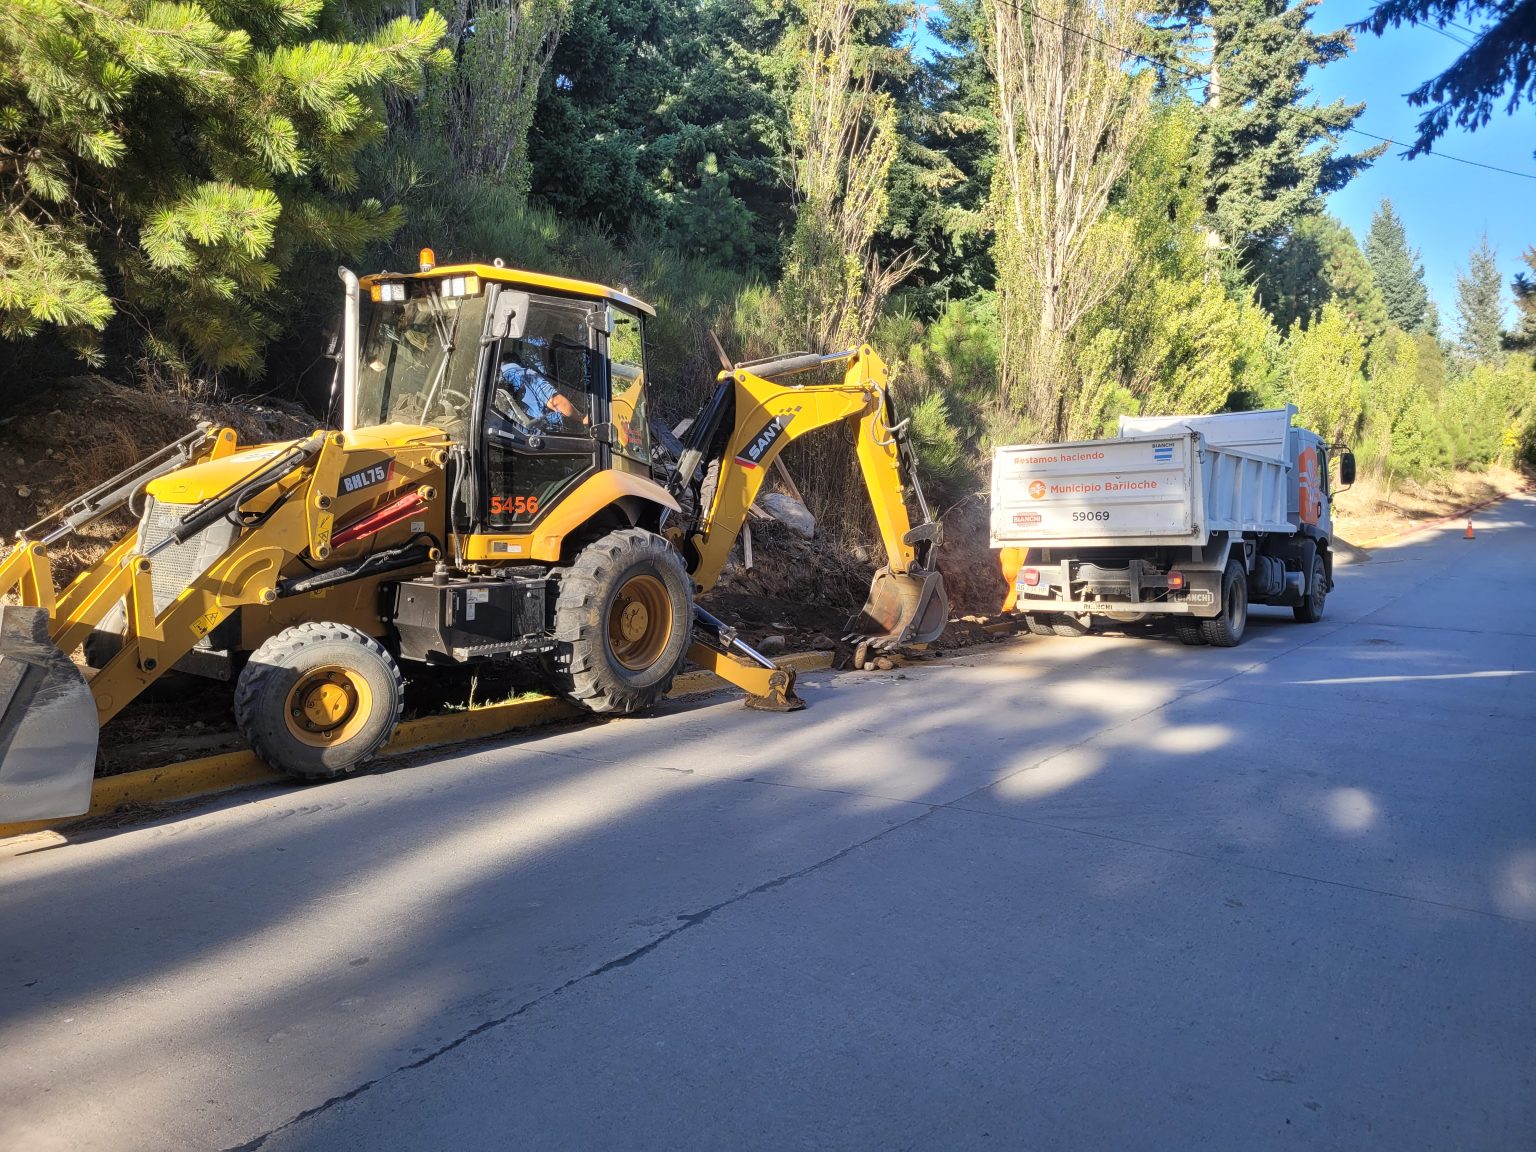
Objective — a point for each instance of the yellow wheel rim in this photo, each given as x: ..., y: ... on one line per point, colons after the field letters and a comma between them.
x: 640, y: 622
x: 327, y: 706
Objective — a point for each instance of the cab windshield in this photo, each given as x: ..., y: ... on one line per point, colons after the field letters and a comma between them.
x: 417, y: 360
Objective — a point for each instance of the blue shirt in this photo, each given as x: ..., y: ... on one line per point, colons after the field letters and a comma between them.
x: 532, y: 393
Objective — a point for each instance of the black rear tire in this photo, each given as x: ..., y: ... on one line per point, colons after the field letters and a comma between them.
x: 1189, y: 630
x: 1069, y: 626
x: 1226, y: 629
x: 318, y: 700
x: 1039, y: 623
x: 623, y: 622
x: 1310, y: 610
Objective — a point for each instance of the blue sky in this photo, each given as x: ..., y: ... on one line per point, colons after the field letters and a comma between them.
x: 1445, y: 206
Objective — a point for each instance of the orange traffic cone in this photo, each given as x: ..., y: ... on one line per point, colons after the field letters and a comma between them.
x: 1470, y: 535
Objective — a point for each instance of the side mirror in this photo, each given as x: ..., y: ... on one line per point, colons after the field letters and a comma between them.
x: 509, y: 315
x: 1347, y: 468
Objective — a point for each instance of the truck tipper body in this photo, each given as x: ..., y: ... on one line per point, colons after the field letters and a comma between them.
x: 1194, y: 517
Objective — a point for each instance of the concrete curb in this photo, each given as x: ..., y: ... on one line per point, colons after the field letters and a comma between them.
x: 1378, y: 541
x: 210, y: 775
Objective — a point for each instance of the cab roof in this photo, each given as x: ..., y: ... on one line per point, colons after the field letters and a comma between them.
x: 489, y: 272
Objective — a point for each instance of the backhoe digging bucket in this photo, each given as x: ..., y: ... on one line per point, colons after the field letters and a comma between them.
x: 903, y: 608
x: 48, y: 727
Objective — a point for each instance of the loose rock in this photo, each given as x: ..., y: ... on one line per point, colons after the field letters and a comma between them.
x: 771, y: 645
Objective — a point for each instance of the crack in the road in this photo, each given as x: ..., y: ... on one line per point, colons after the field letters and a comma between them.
x: 688, y: 920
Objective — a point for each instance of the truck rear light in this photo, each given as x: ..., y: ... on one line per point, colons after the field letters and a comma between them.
x: 1030, y: 577
x: 1175, y: 580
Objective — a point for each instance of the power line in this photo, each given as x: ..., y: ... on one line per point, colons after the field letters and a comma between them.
x: 1448, y: 156
x: 1441, y: 32
x: 1165, y: 65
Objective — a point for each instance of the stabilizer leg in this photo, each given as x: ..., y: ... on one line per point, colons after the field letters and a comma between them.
x: 769, y: 688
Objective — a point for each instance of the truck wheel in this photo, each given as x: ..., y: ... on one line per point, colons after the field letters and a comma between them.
x: 1189, y: 630
x: 623, y: 620
x: 1039, y: 623
x: 1069, y: 626
x: 1226, y: 630
x: 1310, y: 610
x: 317, y: 700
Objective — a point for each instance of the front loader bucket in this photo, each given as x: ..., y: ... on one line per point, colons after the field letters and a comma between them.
x: 903, y: 608
x: 48, y: 727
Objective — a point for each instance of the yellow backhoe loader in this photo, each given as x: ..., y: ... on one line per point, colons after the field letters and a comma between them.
x: 496, y: 490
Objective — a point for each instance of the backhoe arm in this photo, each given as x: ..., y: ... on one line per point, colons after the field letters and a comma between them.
x: 758, y: 416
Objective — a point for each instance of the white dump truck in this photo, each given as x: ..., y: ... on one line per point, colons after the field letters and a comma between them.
x: 1194, y: 517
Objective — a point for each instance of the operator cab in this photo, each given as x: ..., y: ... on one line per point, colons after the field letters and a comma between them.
x: 539, y: 382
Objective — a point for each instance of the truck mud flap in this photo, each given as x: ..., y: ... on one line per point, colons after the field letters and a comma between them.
x: 48, y: 729
x: 903, y: 608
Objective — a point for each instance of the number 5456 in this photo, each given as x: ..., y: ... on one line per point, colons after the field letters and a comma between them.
x: 514, y: 506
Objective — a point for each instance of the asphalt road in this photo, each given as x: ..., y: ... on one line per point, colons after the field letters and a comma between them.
x: 1107, y: 893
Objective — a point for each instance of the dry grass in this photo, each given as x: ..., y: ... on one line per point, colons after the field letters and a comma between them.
x: 1370, y: 509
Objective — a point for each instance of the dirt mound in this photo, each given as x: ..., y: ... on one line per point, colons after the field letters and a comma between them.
x: 971, y: 574
x: 87, y: 429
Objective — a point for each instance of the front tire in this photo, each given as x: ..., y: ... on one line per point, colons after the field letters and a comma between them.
x: 1226, y: 629
x: 318, y: 700
x: 623, y: 621
x: 1310, y: 610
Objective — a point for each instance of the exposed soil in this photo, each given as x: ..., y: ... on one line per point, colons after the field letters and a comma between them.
x: 85, y: 430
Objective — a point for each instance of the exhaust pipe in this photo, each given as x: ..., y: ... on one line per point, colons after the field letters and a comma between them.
x: 48, y: 729
x: 349, y: 337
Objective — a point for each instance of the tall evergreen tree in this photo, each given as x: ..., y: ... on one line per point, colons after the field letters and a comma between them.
x: 667, y: 112
x: 953, y: 224
x: 1399, y: 275
x: 1270, y: 156
x: 1479, y: 305
x: 1317, y: 262
x: 1524, y: 334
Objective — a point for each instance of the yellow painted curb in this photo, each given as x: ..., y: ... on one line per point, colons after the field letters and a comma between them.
x: 211, y: 774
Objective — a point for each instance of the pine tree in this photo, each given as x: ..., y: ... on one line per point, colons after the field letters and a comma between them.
x: 1317, y: 262
x: 1500, y: 62
x: 172, y: 159
x: 1399, y: 275
x: 1524, y: 334
x: 1269, y: 156
x: 951, y: 220
x: 652, y: 111
x: 1479, y: 306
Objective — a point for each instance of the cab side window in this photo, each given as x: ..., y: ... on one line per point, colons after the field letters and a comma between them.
x: 626, y: 355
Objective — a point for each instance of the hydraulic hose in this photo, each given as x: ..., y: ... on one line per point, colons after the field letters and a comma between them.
x: 211, y: 510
